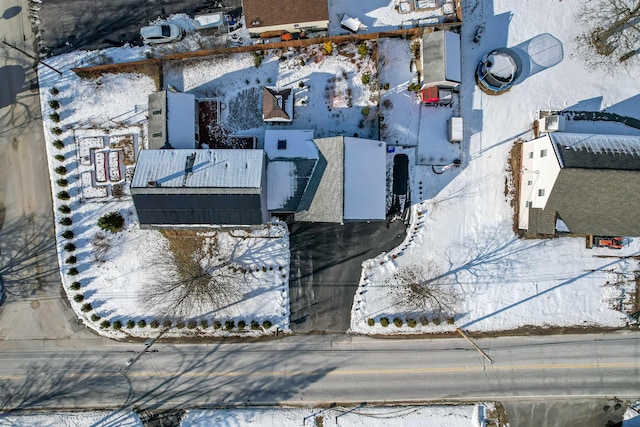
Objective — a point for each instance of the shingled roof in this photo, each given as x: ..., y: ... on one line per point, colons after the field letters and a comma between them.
x: 265, y: 13
x: 597, y: 151
x: 275, y: 104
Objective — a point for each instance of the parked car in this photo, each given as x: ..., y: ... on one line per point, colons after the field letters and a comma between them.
x: 164, y: 33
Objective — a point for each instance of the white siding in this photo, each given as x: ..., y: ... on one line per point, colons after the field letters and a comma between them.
x: 542, y: 171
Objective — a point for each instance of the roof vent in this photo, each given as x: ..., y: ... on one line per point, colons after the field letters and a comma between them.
x: 188, y: 167
x: 153, y: 184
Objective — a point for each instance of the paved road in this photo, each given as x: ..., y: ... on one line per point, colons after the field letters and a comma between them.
x: 311, y: 370
x: 325, y: 270
x: 94, y: 24
x: 32, y: 305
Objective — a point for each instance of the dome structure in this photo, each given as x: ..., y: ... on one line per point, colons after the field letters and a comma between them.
x: 498, y: 70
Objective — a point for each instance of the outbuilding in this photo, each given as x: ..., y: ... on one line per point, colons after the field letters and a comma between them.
x: 441, y: 64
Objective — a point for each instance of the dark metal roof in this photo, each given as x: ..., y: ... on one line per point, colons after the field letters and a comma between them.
x: 273, y: 104
x: 602, y: 202
x: 198, y: 209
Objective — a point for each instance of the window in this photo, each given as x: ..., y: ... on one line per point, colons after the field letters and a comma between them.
x: 155, y: 112
x: 541, y: 192
x: 529, y: 182
x: 527, y: 204
x: 282, y: 144
x: 156, y: 135
x: 543, y: 153
x: 531, y: 154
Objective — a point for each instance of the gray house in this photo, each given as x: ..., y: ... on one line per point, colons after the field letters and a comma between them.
x: 585, y: 184
x: 200, y: 187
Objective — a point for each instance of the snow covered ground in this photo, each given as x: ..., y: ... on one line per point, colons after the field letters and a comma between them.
x: 72, y: 419
x: 461, y: 229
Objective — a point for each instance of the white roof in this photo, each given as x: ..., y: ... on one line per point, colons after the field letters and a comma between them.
x: 281, y: 184
x: 365, y: 186
x: 211, y: 168
x: 299, y: 144
x: 210, y: 20
x: 452, y: 56
x: 181, y: 120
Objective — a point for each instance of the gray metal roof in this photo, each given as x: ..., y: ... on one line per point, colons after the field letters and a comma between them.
x: 441, y: 57
x: 323, y: 199
x: 157, y: 120
x: 597, y: 151
x: 601, y: 202
x: 211, y: 169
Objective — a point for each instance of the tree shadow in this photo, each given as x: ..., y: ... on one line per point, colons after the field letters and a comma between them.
x: 28, y: 257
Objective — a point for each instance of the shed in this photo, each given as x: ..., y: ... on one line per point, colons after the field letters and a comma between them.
x: 173, y: 120
x: 441, y: 59
x: 277, y: 105
x: 200, y: 187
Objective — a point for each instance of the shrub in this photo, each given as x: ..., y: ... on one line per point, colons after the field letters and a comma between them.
x: 60, y: 170
x: 94, y: 317
x: 327, y: 48
x: 384, y: 322
x: 65, y: 209
x: 56, y: 131
x: 362, y: 49
x: 117, y: 325
x: 386, y: 86
x: 54, y: 91
x: 155, y: 324
x: 366, y: 78
x: 411, y: 87
x: 142, y: 323
x: 366, y: 111
x: 63, y: 195
x: 229, y: 324
x: 267, y: 324
x: 55, y: 117
x: 75, y: 286
x: 191, y: 324
x: 59, y: 157
x: 241, y: 324
x: 78, y: 297
x: 397, y: 321
x: 112, y: 222
x: 71, y: 260
x: 436, y: 321
x: 69, y: 247
x: 167, y: 324
x: 67, y: 234
x: 105, y: 324
x: 451, y: 320
x: 66, y: 220
x: 371, y: 322
x: 257, y: 59
x: 53, y: 103
x: 424, y: 321
x: 255, y: 325
x: 180, y: 324
x: 86, y: 307
x: 62, y: 182
x: 73, y: 271
x: 130, y: 324
x: 301, y: 84
x: 58, y: 144
x: 411, y: 323
x: 217, y: 324
x: 302, y: 62
x: 204, y: 324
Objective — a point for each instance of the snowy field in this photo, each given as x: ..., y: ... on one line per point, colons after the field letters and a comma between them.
x: 462, y: 223
x: 72, y: 419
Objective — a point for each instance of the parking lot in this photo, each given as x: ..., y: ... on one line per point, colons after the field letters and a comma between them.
x: 68, y: 25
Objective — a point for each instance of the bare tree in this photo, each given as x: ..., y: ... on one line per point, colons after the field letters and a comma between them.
x: 193, y: 277
x: 612, y: 35
x: 421, y: 288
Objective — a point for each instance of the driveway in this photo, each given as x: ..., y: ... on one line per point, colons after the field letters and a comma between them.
x: 80, y: 24
x: 325, y: 270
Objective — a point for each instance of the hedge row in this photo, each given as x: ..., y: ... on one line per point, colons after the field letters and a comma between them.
x: 411, y: 322
x: 229, y: 325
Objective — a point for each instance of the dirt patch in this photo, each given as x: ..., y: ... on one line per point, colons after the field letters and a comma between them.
x: 126, y: 144
x: 512, y: 182
x: 497, y: 417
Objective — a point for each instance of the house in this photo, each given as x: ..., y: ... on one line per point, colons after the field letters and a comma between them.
x: 348, y: 182
x: 278, y: 16
x: 173, y: 120
x: 440, y: 59
x: 200, y: 187
x: 578, y: 183
x: 277, y: 105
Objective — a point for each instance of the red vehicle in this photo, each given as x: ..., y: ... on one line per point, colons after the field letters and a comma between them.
x: 608, y: 242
